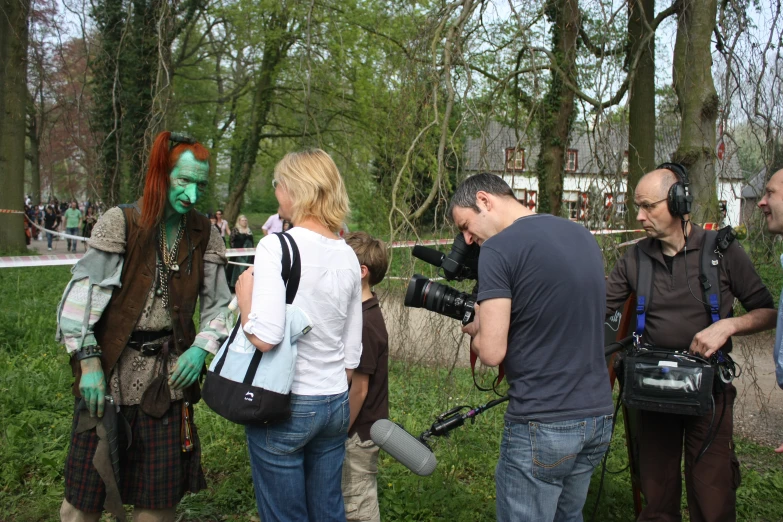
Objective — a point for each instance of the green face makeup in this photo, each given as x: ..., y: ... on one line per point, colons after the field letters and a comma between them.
x: 188, y: 182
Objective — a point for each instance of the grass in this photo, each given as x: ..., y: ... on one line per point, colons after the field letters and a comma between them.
x: 36, y: 405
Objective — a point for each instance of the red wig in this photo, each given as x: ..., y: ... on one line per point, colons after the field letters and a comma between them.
x: 163, y: 158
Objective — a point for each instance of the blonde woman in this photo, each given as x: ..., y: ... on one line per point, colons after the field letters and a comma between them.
x: 241, y: 237
x: 297, y: 465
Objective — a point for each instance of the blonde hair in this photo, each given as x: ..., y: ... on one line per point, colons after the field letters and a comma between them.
x: 371, y: 253
x: 243, y: 230
x: 315, y: 186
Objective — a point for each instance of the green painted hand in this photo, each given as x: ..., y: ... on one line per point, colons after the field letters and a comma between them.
x: 92, y: 385
x: 188, y: 368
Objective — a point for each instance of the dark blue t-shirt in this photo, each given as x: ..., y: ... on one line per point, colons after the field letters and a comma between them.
x: 553, y: 272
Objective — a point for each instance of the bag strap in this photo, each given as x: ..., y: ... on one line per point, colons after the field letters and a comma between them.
x: 644, y: 272
x: 291, y: 273
x: 291, y: 269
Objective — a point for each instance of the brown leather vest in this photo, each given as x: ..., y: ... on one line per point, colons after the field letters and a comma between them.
x: 121, y: 315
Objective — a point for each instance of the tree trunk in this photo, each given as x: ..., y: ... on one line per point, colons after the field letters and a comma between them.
x: 641, y: 102
x: 34, y: 154
x: 14, y: 16
x: 276, y: 47
x: 698, y: 102
x: 109, y: 17
x: 557, y: 111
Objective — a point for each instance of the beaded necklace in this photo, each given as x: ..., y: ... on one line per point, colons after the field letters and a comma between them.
x: 168, y: 263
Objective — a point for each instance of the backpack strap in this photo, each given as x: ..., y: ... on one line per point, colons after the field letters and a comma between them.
x: 644, y: 274
x: 714, y: 245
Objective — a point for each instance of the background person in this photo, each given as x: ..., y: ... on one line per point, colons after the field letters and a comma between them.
x: 222, y: 224
x: 73, y: 223
x: 677, y: 319
x: 273, y: 224
x: 50, y: 223
x: 369, y: 392
x: 89, y: 222
x: 140, y: 336
x: 297, y: 464
x: 241, y: 237
x: 541, y: 295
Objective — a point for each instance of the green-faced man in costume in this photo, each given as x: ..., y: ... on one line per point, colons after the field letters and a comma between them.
x: 126, y: 319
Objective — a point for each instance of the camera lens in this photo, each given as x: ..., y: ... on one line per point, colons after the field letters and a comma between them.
x: 438, y: 298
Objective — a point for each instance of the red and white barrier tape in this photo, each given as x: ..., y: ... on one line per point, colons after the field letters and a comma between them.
x: 71, y: 259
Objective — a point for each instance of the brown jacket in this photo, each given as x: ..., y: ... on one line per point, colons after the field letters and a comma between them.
x: 120, y: 317
x: 676, y: 312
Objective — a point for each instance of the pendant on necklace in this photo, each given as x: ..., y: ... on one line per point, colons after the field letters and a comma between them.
x: 159, y: 292
x: 175, y: 267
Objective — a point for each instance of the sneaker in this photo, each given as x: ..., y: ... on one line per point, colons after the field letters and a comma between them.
x: 49, y: 248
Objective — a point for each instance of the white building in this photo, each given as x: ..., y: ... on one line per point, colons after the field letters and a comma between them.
x: 596, y: 171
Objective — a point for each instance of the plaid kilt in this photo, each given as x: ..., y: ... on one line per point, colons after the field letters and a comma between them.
x: 154, y: 472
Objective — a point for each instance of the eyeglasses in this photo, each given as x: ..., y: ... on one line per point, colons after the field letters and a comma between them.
x: 275, y: 183
x: 648, y: 207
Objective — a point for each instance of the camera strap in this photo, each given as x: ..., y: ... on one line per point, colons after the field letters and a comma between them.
x: 498, y: 379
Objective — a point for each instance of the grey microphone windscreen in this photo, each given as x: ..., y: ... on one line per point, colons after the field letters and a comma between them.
x: 403, y: 446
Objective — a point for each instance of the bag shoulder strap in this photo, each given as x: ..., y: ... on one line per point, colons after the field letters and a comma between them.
x: 644, y: 273
x: 291, y: 266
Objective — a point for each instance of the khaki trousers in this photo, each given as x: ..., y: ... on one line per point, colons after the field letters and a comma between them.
x: 69, y: 513
x: 360, y: 487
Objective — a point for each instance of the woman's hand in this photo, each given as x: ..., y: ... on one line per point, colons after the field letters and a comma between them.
x: 244, y: 290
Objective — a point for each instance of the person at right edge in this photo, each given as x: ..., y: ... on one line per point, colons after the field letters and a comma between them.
x: 677, y: 319
x: 541, y: 294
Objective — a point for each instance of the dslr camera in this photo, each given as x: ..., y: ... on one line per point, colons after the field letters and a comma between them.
x: 459, y: 264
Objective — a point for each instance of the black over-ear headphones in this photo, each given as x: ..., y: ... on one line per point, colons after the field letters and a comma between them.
x: 679, y: 199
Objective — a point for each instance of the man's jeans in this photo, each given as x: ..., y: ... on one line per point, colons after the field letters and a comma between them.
x: 297, y: 465
x: 544, y: 469
x: 74, y: 231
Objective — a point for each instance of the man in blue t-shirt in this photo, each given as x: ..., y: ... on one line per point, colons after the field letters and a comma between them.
x: 541, y: 314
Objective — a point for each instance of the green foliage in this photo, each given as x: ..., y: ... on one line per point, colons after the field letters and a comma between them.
x: 36, y: 407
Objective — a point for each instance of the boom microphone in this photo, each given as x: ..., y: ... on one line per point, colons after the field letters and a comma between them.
x: 403, y: 446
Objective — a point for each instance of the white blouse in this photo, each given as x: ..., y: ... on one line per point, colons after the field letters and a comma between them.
x: 330, y: 293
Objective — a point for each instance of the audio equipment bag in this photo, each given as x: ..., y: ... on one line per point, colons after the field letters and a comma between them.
x: 664, y: 380
x: 667, y: 382
x: 248, y: 386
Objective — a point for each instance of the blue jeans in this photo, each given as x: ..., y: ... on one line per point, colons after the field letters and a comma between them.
x: 49, y: 237
x: 544, y: 469
x: 297, y: 465
x: 75, y: 232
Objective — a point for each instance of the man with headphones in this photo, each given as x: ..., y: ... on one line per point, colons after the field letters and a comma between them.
x: 678, y: 319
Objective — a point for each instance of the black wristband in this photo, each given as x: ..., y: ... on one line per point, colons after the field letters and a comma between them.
x: 87, y: 352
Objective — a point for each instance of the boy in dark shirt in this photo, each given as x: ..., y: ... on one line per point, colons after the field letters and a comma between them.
x: 369, y: 392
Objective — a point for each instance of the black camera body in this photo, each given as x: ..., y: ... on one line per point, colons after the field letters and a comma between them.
x: 459, y: 264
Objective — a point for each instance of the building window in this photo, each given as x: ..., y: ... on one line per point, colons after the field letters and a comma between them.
x: 585, y: 205
x: 515, y: 159
x: 571, y: 204
x: 526, y: 197
x: 625, y: 163
x: 572, y: 160
x: 619, y: 206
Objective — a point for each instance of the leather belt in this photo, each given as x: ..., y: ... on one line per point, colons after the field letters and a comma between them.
x: 149, y: 343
